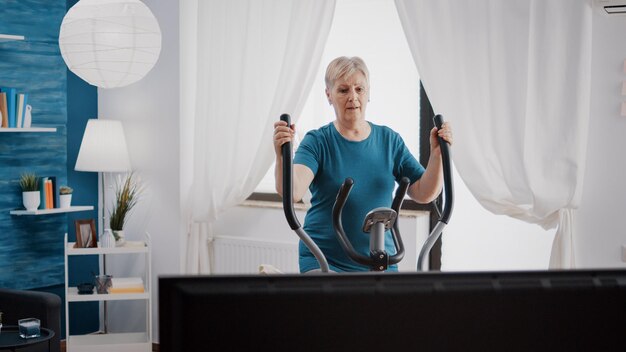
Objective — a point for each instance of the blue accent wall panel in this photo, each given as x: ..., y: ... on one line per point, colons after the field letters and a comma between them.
x: 31, y: 247
x: 82, y: 104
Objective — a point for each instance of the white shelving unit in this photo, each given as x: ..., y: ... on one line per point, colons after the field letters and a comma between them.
x: 52, y: 211
x: 10, y: 37
x: 25, y: 130
x: 123, y: 342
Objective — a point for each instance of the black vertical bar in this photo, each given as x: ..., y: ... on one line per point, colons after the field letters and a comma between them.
x: 426, y: 124
x: 286, y: 150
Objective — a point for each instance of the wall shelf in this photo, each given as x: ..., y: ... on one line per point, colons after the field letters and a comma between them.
x: 52, y: 211
x: 10, y: 37
x: 73, y: 296
x: 128, y: 248
x: 29, y: 129
x: 110, y: 342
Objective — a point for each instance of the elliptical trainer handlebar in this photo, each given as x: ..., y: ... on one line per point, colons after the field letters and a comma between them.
x: 448, y: 188
x: 286, y: 150
x: 447, y: 174
x: 290, y: 214
x: 375, y: 260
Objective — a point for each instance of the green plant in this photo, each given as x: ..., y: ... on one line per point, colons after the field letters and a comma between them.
x: 29, y: 182
x: 65, y: 190
x: 126, y: 196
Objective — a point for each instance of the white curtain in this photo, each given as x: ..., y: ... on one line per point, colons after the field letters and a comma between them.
x: 513, y: 77
x: 251, y: 60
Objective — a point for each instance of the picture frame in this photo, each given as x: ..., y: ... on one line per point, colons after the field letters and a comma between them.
x: 86, y: 233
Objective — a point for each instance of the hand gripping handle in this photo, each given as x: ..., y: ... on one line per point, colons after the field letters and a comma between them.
x: 447, y: 174
x: 286, y: 150
x: 290, y: 214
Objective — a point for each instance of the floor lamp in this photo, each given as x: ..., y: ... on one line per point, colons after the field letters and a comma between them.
x: 103, y: 149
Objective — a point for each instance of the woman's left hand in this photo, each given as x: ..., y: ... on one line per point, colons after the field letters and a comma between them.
x: 445, y: 132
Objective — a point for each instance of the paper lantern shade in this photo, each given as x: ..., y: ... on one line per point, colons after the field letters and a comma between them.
x: 110, y: 43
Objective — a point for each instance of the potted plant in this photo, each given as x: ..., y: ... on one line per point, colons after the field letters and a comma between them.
x: 65, y: 196
x: 126, y: 196
x: 30, y: 191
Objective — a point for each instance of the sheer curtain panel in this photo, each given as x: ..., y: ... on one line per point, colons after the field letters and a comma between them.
x: 244, y: 63
x: 514, y: 79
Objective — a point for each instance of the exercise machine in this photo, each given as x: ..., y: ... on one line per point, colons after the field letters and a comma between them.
x: 448, y: 197
x: 290, y: 214
x: 376, y: 222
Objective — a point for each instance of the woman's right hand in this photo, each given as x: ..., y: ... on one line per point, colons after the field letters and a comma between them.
x: 282, y: 135
x: 302, y: 175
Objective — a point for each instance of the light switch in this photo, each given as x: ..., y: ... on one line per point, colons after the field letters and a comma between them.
x: 623, y: 109
x: 624, y: 87
x: 624, y: 253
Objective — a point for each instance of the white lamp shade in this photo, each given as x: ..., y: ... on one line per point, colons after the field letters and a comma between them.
x: 103, y: 148
x: 110, y: 43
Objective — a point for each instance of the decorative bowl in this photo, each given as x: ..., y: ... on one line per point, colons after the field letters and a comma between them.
x: 85, y: 288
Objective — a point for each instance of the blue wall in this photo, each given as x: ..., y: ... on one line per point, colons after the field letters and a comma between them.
x: 31, y: 250
x: 82, y: 104
x: 31, y: 247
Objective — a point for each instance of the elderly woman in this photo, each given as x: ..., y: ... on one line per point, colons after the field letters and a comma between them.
x: 373, y: 156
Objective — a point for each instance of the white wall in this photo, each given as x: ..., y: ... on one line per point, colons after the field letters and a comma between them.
x: 599, y: 229
x: 149, y: 110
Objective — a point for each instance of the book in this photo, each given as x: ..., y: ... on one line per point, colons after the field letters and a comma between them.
x: 19, y: 110
x: 24, y: 104
x: 3, y: 110
x: 127, y: 290
x: 11, y: 101
x: 49, y: 194
x: 42, y: 192
x: 54, y: 195
x: 126, y: 285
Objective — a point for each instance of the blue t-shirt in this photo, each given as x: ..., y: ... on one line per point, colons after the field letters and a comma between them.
x: 375, y: 164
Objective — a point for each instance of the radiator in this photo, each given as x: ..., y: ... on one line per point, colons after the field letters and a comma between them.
x: 239, y: 255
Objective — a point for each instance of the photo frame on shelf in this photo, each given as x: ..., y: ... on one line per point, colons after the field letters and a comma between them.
x: 86, y: 233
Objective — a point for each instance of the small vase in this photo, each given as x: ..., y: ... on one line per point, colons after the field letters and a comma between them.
x: 107, y: 240
x: 65, y: 200
x: 120, y: 240
x: 31, y: 200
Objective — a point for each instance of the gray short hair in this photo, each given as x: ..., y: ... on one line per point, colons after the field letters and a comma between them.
x: 345, y: 66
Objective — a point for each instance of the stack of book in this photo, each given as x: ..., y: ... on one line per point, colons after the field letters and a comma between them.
x: 126, y: 285
x: 14, y: 110
x: 48, y: 193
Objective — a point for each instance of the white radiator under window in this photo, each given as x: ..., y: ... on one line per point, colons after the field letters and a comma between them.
x: 240, y: 255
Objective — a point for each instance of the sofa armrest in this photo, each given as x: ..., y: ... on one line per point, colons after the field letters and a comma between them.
x: 20, y: 304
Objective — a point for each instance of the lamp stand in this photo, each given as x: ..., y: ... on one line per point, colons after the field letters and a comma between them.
x: 104, y: 259
x: 103, y: 136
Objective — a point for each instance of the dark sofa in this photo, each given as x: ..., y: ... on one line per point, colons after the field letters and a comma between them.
x: 17, y: 304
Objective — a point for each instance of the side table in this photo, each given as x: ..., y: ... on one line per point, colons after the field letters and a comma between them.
x: 10, y: 338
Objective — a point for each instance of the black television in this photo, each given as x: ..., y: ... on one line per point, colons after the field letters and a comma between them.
x: 579, y: 310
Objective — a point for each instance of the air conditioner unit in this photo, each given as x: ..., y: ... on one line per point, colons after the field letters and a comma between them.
x: 612, y: 7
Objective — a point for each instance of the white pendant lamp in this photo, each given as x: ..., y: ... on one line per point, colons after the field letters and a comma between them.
x: 110, y: 43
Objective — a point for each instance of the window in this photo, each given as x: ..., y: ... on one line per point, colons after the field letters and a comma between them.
x: 371, y: 30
